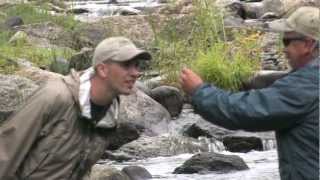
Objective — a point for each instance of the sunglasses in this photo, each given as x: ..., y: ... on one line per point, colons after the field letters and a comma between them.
x: 287, y: 41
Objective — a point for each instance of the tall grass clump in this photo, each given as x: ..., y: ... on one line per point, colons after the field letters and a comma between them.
x: 201, y: 41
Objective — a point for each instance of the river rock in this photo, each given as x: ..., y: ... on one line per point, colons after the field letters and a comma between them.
x: 140, y: 109
x: 242, y: 144
x: 170, y: 97
x: 124, y: 133
x: 14, y: 90
x: 206, y: 162
x: 103, y: 172
x: 163, y: 145
x: 136, y: 173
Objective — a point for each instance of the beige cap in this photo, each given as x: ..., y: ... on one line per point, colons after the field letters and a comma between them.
x: 118, y: 49
x: 304, y: 20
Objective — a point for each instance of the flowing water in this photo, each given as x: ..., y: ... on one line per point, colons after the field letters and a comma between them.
x: 263, y: 166
x: 101, y: 8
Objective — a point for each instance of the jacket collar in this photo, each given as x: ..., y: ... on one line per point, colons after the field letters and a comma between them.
x: 79, y: 86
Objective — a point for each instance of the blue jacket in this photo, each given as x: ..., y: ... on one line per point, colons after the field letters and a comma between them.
x: 290, y: 106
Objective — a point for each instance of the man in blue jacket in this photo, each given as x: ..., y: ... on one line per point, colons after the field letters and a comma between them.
x: 290, y: 106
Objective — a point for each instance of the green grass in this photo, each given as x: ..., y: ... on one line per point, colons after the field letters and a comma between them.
x: 200, y: 41
x: 41, y: 57
x: 36, y: 14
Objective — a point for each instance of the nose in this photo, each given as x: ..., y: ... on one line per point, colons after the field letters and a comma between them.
x: 135, y: 71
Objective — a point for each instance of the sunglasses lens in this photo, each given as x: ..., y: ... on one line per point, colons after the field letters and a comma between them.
x: 286, y: 42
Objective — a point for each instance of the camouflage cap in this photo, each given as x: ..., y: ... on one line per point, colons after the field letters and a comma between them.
x: 304, y: 20
x: 118, y: 49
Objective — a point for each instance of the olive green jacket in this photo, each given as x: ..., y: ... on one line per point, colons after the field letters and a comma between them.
x: 48, y: 139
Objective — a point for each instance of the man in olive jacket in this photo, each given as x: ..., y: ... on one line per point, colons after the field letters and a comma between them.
x: 62, y: 130
x: 290, y: 106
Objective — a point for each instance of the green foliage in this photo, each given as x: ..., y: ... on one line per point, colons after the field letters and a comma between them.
x: 227, y: 65
x: 41, y: 57
x: 200, y: 41
x: 32, y: 14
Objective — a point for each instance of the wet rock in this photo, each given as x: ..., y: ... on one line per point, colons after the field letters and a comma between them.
x: 117, y: 156
x: 163, y: 145
x: 103, y: 172
x: 136, y: 173
x: 242, y: 144
x: 170, y: 98
x: 206, y: 162
x: 195, y: 132
x: 140, y: 109
x: 124, y: 133
x: 81, y: 60
x: 14, y: 21
x: 201, y: 127
x: 14, y: 90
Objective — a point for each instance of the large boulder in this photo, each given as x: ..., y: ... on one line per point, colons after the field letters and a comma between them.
x: 136, y: 173
x: 140, y: 109
x: 170, y: 97
x: 206, y: 162
x: 103, y: 172
x: 164, y: 145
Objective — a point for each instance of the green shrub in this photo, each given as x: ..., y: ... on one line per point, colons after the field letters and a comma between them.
x: 200, y: 41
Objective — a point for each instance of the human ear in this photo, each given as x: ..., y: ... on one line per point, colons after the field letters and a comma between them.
x: 102, y: 70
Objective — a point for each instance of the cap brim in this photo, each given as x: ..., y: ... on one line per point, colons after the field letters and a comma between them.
x: 279, y: 25
x: 127, y: 54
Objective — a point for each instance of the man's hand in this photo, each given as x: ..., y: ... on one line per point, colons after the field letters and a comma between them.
x: 189, y: 81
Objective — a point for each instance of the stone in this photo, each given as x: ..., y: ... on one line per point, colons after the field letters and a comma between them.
x: 140, y: 109
x: 162, y: 145
x: 242, y: 144
x: 206, y: 162
x: 170, y: 98
x: 136, y: 173
x: 14, y: 21
x: 103, y: 172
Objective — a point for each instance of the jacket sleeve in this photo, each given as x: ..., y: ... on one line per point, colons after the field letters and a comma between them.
x: 18, y: 133
x: 278, y: 107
